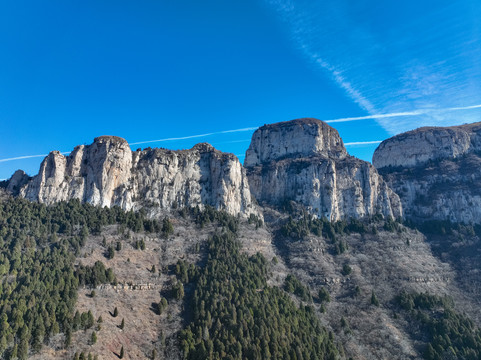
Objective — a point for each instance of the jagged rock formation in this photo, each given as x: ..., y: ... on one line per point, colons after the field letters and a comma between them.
x: 108, y: 173
x: 436, y: 172
x: 305, y: 160
x: 18, y: 179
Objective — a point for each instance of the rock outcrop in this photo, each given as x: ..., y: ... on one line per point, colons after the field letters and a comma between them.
x: 108, y: 173
x: 15, y: 183
x: 436, y: 172
x: 305, y: 161
x: 417, y: 147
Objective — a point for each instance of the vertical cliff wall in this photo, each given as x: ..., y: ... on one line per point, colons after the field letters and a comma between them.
x: 436, y: 171
x: 305, y: 161
x: 108, y: 173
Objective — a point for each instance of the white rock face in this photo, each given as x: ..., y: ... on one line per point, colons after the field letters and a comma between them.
x: 108, y: 173
x: 419, y: 146
x: 314, y: 169
x: 436, y: 172
x: 296, y: 138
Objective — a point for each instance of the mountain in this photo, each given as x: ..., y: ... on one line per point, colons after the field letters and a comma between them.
x: 435, y: 171
x: 303, y: 252
x: 305, y: 161
x: 108, y: 173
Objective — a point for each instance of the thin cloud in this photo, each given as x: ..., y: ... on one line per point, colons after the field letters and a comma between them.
x: 29, y: 157
x: 362, y: 142
x: 406, y: 113
x: 303, y: 30
x: 231, y: 142
x: 417, y: 64
x: 345, y: 119
x: 194, y: 136
x: 375, y: 116
x: 22, y: 157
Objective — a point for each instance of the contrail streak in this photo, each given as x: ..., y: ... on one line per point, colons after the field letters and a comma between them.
x: 363, y: 142
x: 345, y: 119
x: 195, y: 136
x: 29, y: 157
x: 407, y: 113
x: 375, y: 116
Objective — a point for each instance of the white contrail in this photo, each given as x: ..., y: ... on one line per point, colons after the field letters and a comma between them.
x: 195, y: 136
x: 375, y: 116
x: 22, y: 157
x: 29, y: 156
x: 407, y: 113
x: 464, y: 108
x: 230, y: 142
x: 363, y: 142
x: 345, y: 119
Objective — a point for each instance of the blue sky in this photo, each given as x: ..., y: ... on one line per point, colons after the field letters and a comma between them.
x: 150, y: 70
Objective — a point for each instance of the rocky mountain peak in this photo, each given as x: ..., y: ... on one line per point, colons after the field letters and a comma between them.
x: 108, y: 173
x: 294, y: 139
x: 435, y: 171
x: 18, y: 179
x: 419, y: 146
x: 110, y: 139
x: 203, y: 147
x: 305, y: 161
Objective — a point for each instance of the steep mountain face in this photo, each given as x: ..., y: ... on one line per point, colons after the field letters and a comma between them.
x: 417, y: 147
x: 349, y: 273
x: 435, y: 171
x: 108, y: 173
x: 305, y: 160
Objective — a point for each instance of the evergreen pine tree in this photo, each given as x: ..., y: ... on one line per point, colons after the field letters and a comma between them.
x: 68, y: 337
x: 93, y: 338
x: 110, y: 252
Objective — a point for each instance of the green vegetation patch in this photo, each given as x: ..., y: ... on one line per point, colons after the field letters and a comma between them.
x: 38, y: 281
x: 450, y: 335
x: 236, y: 315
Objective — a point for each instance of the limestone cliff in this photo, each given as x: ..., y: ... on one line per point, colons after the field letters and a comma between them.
x: 108, y: 173
x: 305, y: 160
x: 426, y: 144
x: 436, y: 172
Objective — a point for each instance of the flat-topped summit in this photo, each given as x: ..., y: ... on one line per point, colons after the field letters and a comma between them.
x: 110, y: 138
x: 419, y: 146
x: 435, y: 171
x: 294, y: 139
x: 305, y: 161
